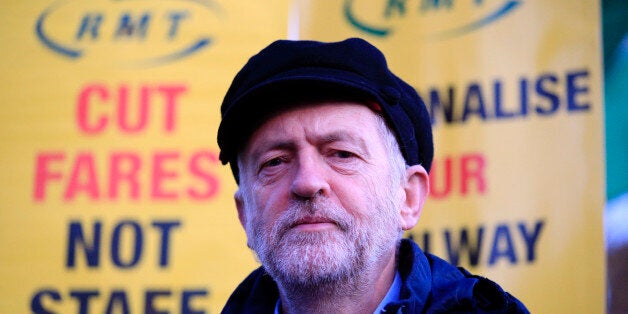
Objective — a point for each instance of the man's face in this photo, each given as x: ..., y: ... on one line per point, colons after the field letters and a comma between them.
x: 318, y: 197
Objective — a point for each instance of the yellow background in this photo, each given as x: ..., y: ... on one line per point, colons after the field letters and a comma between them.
x: 538, y: 168
x: 39, y: 99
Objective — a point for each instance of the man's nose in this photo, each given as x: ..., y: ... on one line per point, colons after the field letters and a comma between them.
x: 310, y: 178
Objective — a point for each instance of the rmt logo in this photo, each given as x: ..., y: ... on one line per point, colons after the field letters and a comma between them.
x: 428, y: 19
x: 129, y: 32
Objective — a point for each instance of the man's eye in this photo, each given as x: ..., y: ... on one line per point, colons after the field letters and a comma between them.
x: 344, y: 154
x: 273, y: 163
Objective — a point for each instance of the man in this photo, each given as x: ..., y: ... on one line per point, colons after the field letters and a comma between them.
x: 331, y: 152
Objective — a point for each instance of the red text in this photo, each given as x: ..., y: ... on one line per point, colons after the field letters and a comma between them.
x: 463, y: 175
x: 164, y: 175
x: 129, y: 110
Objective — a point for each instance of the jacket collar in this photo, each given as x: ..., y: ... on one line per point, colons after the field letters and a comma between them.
x: 414, y: 269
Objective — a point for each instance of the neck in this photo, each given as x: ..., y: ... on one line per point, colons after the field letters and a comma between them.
x: 358, y: 294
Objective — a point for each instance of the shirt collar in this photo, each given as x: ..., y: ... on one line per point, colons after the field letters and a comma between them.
x: 392, y: 295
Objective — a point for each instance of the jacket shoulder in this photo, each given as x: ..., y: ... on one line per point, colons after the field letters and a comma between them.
x: 256, y: 294
x: 489, y: 297
x: 432, y: 285
x: 456, y: 290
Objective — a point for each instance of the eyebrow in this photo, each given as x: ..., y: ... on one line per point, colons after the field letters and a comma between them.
x: 340, y: 136
x: 327, y: 138
x: 268, y: 145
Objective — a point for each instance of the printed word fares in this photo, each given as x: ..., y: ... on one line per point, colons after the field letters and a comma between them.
x: 164, y: 175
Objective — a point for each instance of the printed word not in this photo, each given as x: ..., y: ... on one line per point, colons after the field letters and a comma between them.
x: 87, y: 240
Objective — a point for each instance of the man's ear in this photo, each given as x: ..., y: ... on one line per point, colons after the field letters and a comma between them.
x: 242, y: 214
x: 240, y: 206
x: 416, y: 187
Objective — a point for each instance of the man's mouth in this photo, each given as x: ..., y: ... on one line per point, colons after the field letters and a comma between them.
x: 311, y: 224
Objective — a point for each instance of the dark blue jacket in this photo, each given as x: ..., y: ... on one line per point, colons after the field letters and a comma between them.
x: 430, y: 285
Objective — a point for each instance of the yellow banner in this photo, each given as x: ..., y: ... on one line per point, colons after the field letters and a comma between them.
x: 113, y: 198
x: 514, y: 90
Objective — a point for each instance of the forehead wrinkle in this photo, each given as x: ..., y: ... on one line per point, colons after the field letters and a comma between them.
x: 314, y: 134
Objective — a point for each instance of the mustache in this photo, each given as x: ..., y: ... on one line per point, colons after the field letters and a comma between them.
x: 311, y: 211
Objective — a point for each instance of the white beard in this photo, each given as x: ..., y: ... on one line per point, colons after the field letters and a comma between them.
x: 327, y: 261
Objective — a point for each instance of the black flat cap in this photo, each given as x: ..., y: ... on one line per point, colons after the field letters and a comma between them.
x: 289, y: 72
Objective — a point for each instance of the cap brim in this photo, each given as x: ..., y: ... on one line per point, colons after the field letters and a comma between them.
x: 282, y: 91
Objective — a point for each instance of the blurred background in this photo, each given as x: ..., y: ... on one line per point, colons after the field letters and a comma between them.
x: 615, y: 34
x: 114, y: 201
